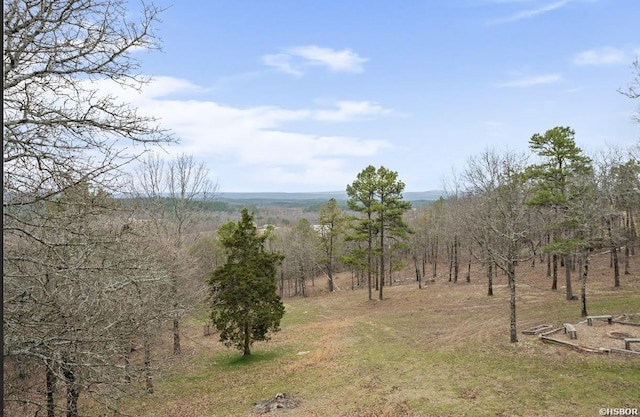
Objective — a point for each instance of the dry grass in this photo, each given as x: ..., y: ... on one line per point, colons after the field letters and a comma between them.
x: 440, y: 351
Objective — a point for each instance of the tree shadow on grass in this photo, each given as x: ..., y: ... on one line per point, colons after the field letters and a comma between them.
x: 233, y: 361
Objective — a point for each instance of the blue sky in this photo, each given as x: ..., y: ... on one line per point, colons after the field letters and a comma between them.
x: 301, y: 95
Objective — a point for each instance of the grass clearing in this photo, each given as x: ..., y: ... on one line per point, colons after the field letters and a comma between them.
x: 440, y: 351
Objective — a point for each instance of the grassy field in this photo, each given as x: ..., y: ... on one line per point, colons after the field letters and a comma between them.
x: 440, y: 351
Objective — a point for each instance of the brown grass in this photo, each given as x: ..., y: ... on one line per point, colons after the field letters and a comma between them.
x: 440, y: 351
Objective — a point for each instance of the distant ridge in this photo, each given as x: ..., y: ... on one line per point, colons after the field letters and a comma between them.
x: 321, y: 195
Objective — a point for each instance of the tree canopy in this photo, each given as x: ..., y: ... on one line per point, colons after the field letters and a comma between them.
x: 245, y: 306
x: 377, y: 193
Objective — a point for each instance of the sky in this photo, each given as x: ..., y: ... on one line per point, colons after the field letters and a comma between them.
x: 301, y: 95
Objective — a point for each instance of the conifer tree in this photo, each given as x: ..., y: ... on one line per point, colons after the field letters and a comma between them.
x: 378, y: 195
x: 245, y: 306
x: 562, y: 164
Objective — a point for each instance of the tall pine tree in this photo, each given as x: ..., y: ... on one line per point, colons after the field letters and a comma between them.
x: 563, y: 163
x: 378, y: 195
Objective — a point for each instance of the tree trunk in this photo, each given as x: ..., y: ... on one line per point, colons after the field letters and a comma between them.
x: 281, y: 283
x: 490, y: 262
x: 511, y: 274
x: 626, y: 258
x: 450, y: 253
x: 376, y: 274
x: 456, y: 260
x: 469, y: 265
x: 567, y: 274
x: 610, y: 259
x: 127, y: 365
x: 176, y: 322
x: 548, y: 256
x: 369, y: 258
x: 435, y: 259
x: 303, y: 286
x: 72, y: 390
x: 381, y: 258
x: 247, y: 341
x: 51, y: 389
x: 330, y: 264
x: 534, y: 254
x: 417, y: 267
x: 176, y: 335
x: 583, y: 285
x: 616, y: 265
x: 614, y: 255
x: 390, y: 270
x: 554, y: 261
x: 633, y: 235
x: 147, y: 365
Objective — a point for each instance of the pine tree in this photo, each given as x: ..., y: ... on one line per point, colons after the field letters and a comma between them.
x: 378, y: 195
x: 562, y: 164
x: 245, y: 306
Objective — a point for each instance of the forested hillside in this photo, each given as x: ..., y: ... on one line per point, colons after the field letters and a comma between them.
x: 130, y: 278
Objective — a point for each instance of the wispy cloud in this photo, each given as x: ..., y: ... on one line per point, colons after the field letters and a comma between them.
x: 281, y: 62
x: 600, y: 56
x: 294, y: 59
x: 533, y: 12
x: 258, y: 138
x: 344, y: 60
x: 532, y: 81
x: 351, y: 110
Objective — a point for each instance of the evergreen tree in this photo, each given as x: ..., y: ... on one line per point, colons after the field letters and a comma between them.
x: 389, y: 207
x: 361, y: 198
x: 562, y: 164
x: 244, y: 303
x: 378, y: 195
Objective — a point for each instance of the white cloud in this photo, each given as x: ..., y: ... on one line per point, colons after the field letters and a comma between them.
x: 532, y: 81
x: 600, y: 56
x: 534, y: 11
x: 281, y: 62
x: 351, y: 110
x: 344, y: 61
x: 255, y: 139
x: 529, y: 13
x: 293, y: 59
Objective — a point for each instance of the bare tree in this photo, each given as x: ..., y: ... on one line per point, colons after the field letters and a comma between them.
x: 77, y: 302
x: 173, y: 195
x: 586, y: 209
x: 496, y: 181
x: 302, y: 247
x: 332, y: 226
x: 63, y: 140
x: 618, y: 176
x: 633, y: 89
x: 60, y: 129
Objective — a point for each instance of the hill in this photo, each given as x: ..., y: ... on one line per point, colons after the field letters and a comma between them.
x: 311, y: 199
x: 440, y: 351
